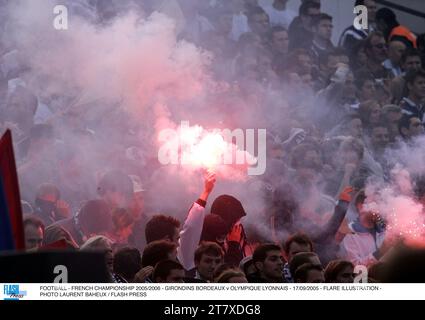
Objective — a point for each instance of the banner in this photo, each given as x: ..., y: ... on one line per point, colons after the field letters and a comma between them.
x: 11, y: 229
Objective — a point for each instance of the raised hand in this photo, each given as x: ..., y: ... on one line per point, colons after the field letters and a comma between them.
x: 236, y: 233
x: 209, y: 183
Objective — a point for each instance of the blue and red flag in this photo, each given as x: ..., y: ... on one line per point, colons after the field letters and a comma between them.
x: 11, y: 228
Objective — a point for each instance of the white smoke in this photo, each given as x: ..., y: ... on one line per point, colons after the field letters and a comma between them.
x: 128, y: 79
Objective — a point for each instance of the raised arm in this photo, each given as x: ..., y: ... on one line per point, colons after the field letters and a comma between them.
x: 330, y: 229
x: 192, y: 227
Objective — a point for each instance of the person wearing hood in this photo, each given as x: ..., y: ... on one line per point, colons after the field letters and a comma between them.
x: 231, y: 211
x: 226, y: 232
x: 221, y: 227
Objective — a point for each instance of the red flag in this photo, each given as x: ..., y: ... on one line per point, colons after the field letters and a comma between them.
x: 9, y: 177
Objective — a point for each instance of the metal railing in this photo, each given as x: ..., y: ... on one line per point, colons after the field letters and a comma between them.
x: 399, y: 7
